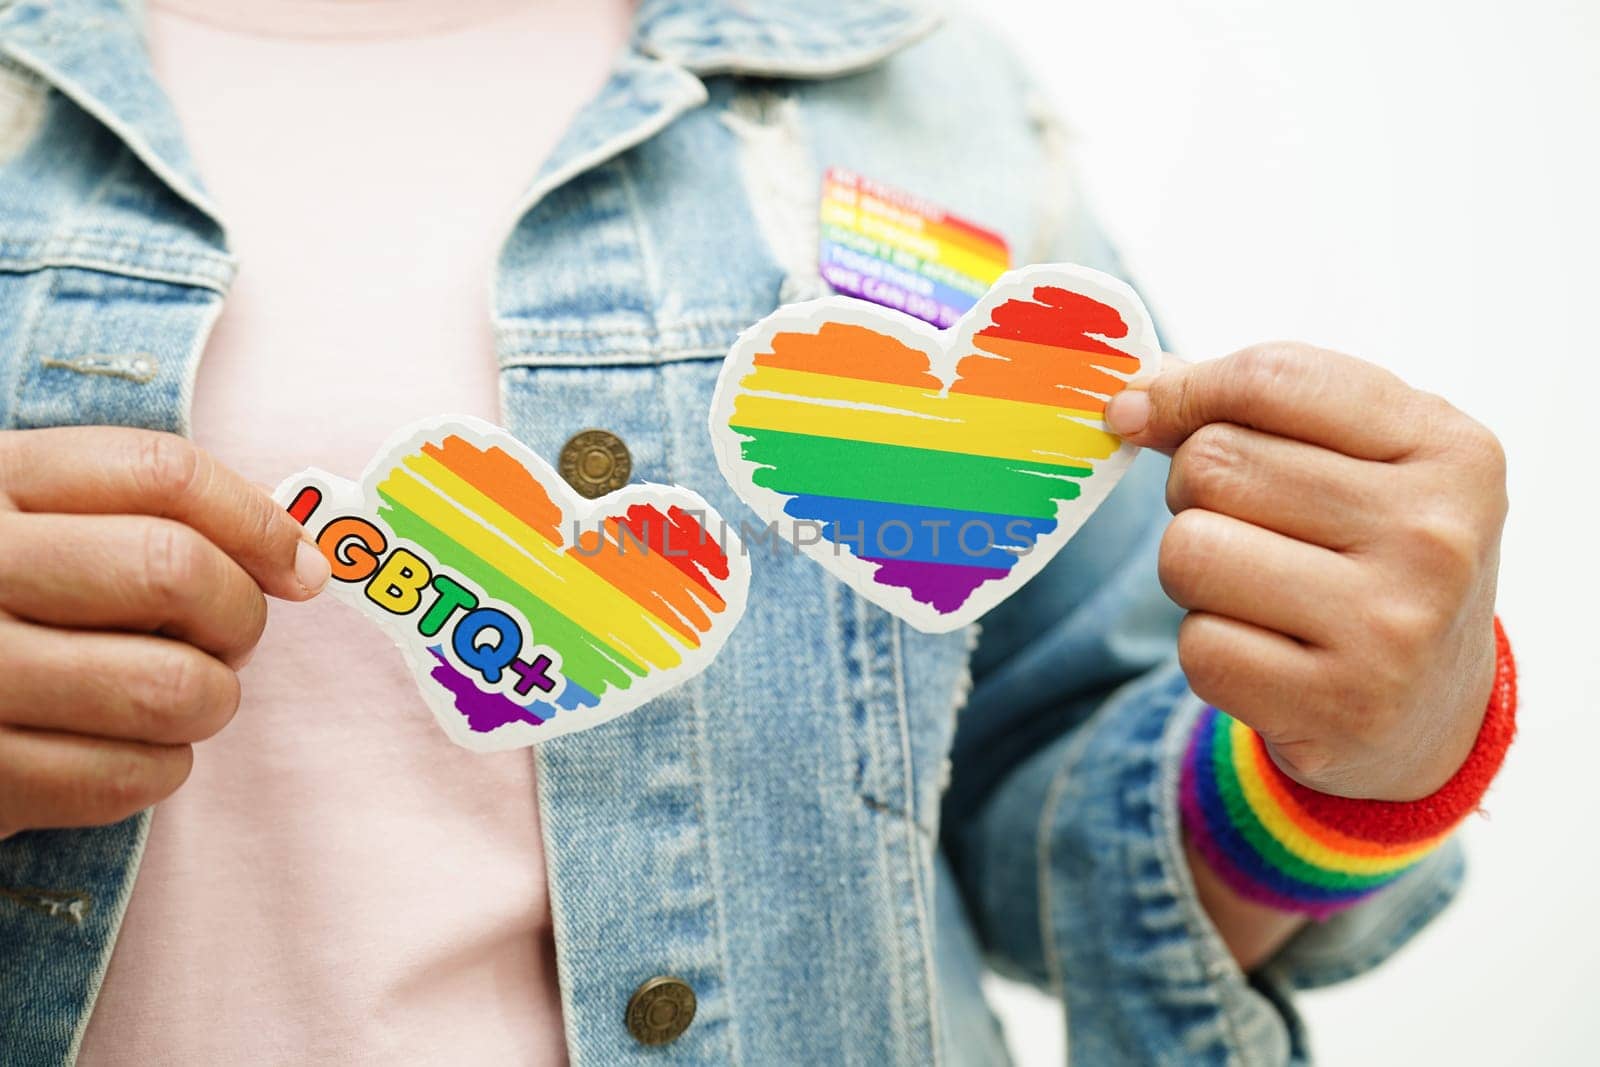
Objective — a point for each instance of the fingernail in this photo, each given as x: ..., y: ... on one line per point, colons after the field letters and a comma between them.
x: 1128, y: 412
x: 311, y: 567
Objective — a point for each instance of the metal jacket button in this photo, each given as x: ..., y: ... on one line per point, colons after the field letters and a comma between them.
x: 660, y: 1011
x: 596, y: 462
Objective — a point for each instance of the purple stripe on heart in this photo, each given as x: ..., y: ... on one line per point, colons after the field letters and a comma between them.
x: 944, y: 586
x: 484, y: 712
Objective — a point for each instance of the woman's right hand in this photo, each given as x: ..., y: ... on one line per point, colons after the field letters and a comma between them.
x: 132, y: 574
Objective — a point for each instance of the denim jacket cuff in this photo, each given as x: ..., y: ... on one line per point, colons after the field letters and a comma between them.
x: 1145, y: 975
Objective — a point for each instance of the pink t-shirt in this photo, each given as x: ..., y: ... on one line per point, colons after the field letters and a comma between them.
x: 338, y: 882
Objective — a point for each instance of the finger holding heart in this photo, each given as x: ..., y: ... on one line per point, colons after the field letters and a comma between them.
x: 1336, y: 541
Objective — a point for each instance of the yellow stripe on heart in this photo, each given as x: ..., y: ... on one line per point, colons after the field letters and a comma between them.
x: 523, y: 554
x: 854, y: 409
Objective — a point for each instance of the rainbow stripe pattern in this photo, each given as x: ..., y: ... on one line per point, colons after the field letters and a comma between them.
x: 524, y: 611
x: 1244, y: 818
x: 836, y: 415
x: 898, y: 250
x: 615, y: 612
x: 1282, y: 844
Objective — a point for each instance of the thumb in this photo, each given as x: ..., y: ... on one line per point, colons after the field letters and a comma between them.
x: 1143, y: 412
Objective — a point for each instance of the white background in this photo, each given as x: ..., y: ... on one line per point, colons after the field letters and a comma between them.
x: 1415, y: 183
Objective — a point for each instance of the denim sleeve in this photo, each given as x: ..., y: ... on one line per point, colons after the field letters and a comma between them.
x: 1062, y: 827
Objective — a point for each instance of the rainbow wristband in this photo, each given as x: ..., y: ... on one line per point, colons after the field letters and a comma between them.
x: 1279, y: 843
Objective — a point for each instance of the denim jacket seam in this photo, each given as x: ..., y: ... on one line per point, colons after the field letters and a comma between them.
x: 30, y: 360
x: 703, y: 811
x: 703, y: 807
x: 649, y: 256
x: 515, y: 329
x: 920, y: 886
x: 93, y: 237
x: 109, y: 251
x: 191, y: 365
x: 112, y: 267
x: 520, y: 345
x: 556, y: 895
x: 119, y: 908
x: 881, y: 666
x: 640, y: 358
x: 1055, y: 794
x: 1212, y: 958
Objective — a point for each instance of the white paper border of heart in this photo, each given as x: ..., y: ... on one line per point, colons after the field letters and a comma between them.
x: 341, y: 496
x: 945, y: 349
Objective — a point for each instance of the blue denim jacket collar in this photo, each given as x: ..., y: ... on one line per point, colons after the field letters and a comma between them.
x: 778, y: 38
x: 93, y: 52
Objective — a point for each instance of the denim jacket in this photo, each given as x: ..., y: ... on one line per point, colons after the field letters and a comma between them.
x: 831, y: 831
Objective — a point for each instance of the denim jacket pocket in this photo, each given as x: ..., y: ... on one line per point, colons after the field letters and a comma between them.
x: 92, y: 346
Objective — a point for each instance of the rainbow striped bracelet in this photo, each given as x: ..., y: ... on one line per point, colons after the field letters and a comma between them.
x: 1276, y: 842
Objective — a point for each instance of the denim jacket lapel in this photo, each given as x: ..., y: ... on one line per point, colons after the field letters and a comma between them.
x: 93, y: 52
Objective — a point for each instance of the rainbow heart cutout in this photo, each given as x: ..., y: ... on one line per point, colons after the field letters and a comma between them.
x: 524, y: 611
x: 934, y: 472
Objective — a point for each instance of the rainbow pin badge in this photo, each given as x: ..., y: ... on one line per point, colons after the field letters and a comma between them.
x: 935, y: 472
x: 524, y: 611
x: 893, y: 248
